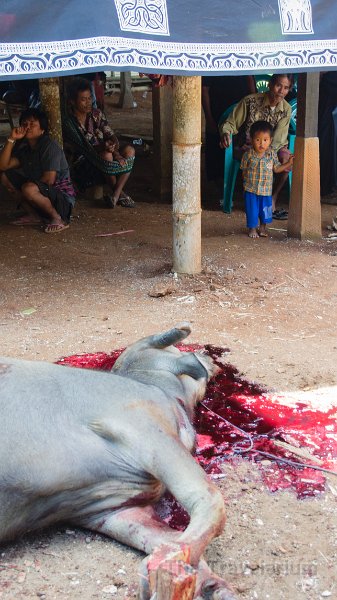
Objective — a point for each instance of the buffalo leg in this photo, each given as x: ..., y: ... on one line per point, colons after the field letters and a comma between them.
x: 142, y: 529
x: 137, y: 527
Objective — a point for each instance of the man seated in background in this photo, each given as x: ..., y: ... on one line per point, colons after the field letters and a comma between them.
x: 35, y: 169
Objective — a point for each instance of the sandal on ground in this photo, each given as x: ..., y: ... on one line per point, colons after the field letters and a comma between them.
x: 55, y: 227
x: 27, y: 220
x: 126, y: 201
x: 280, y: 215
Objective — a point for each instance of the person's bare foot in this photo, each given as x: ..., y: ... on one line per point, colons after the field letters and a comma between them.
x: 56, y: 225
x: 262, y: 231
x: 253, y: 233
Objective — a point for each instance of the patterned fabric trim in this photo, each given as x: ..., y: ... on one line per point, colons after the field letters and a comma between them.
x: 152, y: 56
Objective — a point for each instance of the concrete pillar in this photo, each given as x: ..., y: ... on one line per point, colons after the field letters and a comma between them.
x: 304, y: 220
x: 186, y: 174
x: 126, y: 99
x: 162, y: 141
x: 50, y: 100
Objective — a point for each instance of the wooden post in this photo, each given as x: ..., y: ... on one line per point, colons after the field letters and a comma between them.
x: 304, y: 220
x: 171, y: 577
x: 162, y: 141
x: 50, y: 100
x: 186, y: 174
x: 126, y: 99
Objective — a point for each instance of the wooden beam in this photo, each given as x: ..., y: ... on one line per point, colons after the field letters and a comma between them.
x: 162, y: 141
x: 304, y: 220
x: 307, y: 105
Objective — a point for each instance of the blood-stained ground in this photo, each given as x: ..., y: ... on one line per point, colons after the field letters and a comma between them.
x: 270, y: 302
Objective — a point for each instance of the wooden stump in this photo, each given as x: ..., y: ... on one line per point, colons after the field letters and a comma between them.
x: 171, y: 577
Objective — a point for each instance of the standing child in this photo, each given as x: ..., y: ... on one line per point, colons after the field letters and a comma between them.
x: 258, y: 165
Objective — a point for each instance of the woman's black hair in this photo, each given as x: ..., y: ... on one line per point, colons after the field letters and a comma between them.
x: 38, y: 115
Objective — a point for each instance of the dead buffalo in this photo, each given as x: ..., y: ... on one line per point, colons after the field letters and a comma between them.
x: 99, y: 449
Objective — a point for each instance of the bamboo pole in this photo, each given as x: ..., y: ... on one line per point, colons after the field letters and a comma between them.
x: 186, y: 174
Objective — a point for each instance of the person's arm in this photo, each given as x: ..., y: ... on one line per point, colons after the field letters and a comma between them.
x: 110, y: 143
x: 50, y: 161
x: 7, y: 161
x: 244, y: 161
x: 206, y: 105
x: 282, y: 167
x: 102, y: 124
x: 280, y: 135
x: 110, y: 140
x: 233, y: 123
x: 119, y: 158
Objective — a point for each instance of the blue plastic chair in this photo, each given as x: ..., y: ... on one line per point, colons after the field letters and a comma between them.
x: 231, y: 169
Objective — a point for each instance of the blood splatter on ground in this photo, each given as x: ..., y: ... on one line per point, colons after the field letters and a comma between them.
x: 238, y: 417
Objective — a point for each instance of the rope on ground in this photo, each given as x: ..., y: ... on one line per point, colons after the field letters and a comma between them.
x: 249, y: 438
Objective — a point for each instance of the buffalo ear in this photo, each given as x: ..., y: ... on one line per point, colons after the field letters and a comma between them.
x: 159, y: 341
x: 208, y: 364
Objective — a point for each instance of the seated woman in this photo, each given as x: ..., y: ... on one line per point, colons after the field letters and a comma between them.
x: 98, y: 157
x: 35, y: 169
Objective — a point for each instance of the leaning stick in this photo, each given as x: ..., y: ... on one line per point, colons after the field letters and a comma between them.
x: 302, y: 452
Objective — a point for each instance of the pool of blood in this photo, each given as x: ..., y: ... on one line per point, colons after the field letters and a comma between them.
x: 262, y: 420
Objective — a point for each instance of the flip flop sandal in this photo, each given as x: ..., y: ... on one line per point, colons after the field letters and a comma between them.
x: 126, y: 201
x: 55, y: 227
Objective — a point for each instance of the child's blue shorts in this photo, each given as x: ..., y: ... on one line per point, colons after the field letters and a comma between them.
x: 258, y: 208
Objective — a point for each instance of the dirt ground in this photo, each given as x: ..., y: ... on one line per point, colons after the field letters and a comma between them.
x: 272, y: 302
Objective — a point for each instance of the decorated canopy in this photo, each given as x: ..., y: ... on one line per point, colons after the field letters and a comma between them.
x: 181, y: 37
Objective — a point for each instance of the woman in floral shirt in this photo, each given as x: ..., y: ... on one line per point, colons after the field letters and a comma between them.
x: 98, y: 157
